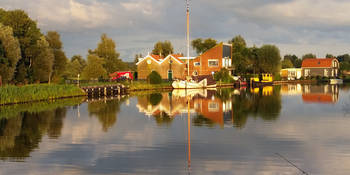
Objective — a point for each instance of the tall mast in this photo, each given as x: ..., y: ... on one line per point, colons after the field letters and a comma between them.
x: 188, y: 36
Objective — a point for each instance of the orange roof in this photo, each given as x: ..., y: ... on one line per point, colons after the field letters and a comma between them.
x: 317, y: 98
x: 317, y: 62
x: 157, y: 57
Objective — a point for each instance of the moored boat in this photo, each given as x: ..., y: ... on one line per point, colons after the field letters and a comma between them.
x: 335, y: 81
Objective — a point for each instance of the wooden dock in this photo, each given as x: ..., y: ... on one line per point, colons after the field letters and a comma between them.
x: 105, y: 90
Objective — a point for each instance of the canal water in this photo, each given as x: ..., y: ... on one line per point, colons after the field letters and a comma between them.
x: 272, y: 130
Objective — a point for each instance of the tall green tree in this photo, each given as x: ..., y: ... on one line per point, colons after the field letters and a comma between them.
x: 28, y: 34
x: 269, y: 59
x: 10, y: 53
x: 201, y: 45
x: 240, y: 52
x: 80, y: 59
x: 106, y: 49
x: 42, y: 62
x: 73, y: 68
x: 163, y: 48
x: 94, y: 68
x: 308, y: 55
x: 60, y: 59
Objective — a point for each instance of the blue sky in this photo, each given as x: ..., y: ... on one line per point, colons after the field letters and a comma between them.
x: 295, y: 26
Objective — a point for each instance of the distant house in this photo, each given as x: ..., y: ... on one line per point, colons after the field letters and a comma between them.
x: 169, y: 67
x: 211, y: 61
x: 324, y: 67
x: 291, y: 73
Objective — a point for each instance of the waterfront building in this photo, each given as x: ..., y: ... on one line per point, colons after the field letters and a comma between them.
x: 170, y: 67
x: 291, y: 73
x: 211, y: 61
x: 323, y: 67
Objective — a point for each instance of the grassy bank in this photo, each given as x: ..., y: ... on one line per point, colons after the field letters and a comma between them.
x: 139, y: 85
x: 37, y: 92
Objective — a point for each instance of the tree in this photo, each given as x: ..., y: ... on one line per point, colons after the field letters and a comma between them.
x: 240, y: 54
x: 42, y: 62
x: 106, y: 50
x: 27, y: 32
x: 10, y: 53
x: 94, y: 68
x: 329, y: 55
x: 73, y: 68
x: 163, y: 48
x: 269, y: 59
x: 294, y: 59
x: 202, y: 46
x: 286, y: 63
x: 309, y: 55
x: 60, y: 59
x: 345, y: 57
x: 81, y: 60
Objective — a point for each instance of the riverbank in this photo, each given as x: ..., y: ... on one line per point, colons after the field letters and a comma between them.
x: 37, y: 92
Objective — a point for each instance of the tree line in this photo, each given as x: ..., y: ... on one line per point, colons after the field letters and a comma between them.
x: 29, y: 56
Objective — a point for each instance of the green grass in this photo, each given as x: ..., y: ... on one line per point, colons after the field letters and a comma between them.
x: 140, y: 85
x: 36, y: 92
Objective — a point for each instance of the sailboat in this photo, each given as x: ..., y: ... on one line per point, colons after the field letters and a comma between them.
x: 189, y: 83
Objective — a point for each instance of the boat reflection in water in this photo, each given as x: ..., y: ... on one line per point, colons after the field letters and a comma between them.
x: 222, y: 107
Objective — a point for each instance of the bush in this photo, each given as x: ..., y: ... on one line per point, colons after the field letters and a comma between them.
x: 223, y: 75
x: 154, y: 78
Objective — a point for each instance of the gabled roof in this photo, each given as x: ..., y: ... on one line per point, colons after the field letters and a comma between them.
x: 160, y: 59
x: 318, y: 62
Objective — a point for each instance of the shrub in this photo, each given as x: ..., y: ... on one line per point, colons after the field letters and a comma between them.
x: 223, y: 75
x: 154, y: 78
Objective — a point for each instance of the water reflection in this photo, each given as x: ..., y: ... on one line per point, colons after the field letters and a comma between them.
x: 20, y: 135
x: 313, y: 93
x: 105, y: 110
x: 223, y: 107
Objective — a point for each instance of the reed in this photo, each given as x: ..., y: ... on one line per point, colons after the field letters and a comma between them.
x: 37, y: 92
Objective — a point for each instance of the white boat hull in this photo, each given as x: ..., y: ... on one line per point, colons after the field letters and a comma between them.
x: 335, y: 81
x: 183, y: 84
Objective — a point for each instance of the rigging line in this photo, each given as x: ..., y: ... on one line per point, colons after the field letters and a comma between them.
x: 291, y: 163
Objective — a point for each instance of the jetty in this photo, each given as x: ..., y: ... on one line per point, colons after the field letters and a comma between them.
x: 105, y: 90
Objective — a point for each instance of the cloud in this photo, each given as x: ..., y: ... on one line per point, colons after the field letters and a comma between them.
x: 145, y: 6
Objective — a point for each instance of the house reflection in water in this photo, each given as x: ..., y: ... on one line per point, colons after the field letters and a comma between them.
x: 320, y: 94
x: 313, y: 93
x: 204, y: 103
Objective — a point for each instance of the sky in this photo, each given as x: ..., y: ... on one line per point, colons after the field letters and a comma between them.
x: 295, y: 26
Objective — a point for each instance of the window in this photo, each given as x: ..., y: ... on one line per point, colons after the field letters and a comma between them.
x: 213, y: 63
x: 197, y: 63
x: 307, y: 72
x: 213, y: 106
x: 195, y: 73
x: 325, y: 72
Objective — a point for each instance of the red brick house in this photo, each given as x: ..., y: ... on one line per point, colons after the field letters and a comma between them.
x: 212, y: 60
x: 169, y: 67
x: 324, y: 67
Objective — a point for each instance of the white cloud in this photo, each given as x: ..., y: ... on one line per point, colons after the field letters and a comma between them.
x: 145, y: 6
